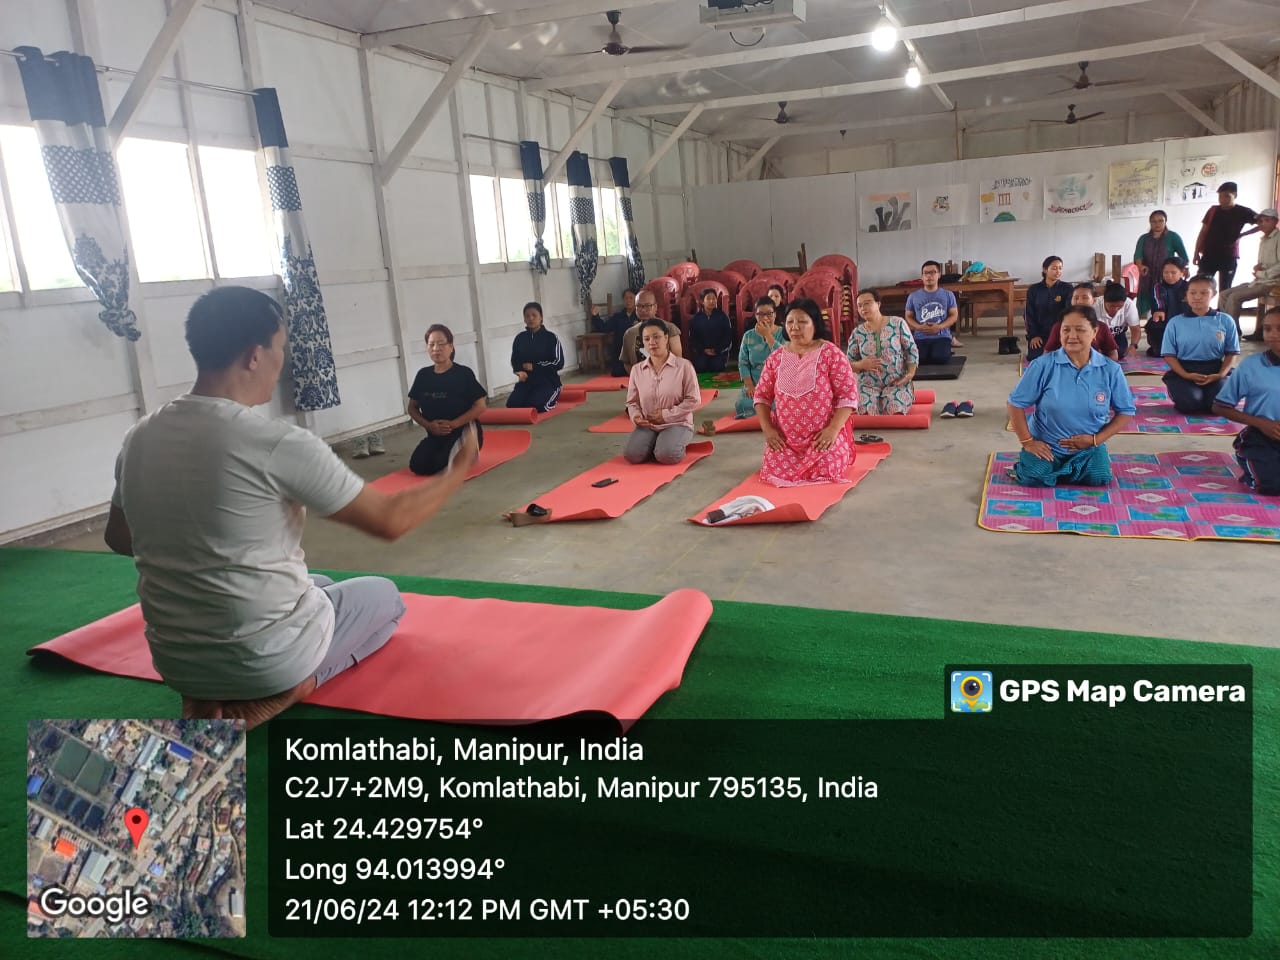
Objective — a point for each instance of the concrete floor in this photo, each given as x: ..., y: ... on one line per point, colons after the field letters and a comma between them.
x: 905, y: 541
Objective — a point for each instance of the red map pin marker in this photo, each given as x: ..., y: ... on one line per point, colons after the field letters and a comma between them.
x: 135, y: 821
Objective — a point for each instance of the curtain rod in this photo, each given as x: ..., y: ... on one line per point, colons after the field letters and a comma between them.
x: 134, y: 73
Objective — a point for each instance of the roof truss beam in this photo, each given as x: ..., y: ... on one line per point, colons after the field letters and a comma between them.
x: 1227, y: 55
x: 513, y: 19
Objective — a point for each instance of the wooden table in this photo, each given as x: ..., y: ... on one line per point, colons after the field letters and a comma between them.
x: 1004, y: 287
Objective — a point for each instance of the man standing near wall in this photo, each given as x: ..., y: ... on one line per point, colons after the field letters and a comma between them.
x: 210, y: 500
x: 1218, y: 245
x: 1266, y: 274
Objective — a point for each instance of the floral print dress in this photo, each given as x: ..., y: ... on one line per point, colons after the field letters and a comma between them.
x: 896, y: 347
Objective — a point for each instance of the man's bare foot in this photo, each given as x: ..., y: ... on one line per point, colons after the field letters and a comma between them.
x: 252, y: 712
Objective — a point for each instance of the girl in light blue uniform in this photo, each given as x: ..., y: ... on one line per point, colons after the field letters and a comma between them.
x: 1081, y: 400
x: 1200, y: 347
x: 1257, y: 383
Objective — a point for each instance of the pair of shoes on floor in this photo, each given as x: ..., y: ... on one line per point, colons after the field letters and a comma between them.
x: 376, y: 449
x: 962, y: 409
x: 707, y: 428
x: 370, y: 445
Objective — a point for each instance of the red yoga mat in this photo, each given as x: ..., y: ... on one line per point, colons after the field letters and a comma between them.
x: 569, y: 398
x: 622, y: 422
x: 499, y: 447
x: 577, y: 499
x: 602, y: 383
x: 918, y: 418
x: 792, y: 504
x: 476, y: 661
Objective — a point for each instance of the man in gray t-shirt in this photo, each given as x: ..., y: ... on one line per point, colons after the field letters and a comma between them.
x: 210, y: 500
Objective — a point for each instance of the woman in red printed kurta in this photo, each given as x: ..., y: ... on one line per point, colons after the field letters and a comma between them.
x: 805, y: 397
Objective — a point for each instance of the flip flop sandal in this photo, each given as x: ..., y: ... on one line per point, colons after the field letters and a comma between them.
x: 870, y: 438
x: 707, y: 428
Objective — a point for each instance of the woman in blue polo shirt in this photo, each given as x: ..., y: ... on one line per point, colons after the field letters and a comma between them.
x: 1257, y: 382
x: 1045, y: 302
x: 1081, y: 400
x: 1200, y: 347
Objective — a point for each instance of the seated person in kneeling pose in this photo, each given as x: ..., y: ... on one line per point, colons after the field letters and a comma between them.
x: 1169, y: 298
x: 1082, y: 295
x: 536, y: 359
x: 1121, y: 315
x: 757, y: 344
x: 661, y: 398
x: 1081, y: 400
x: 884, y: 356
x: 1200, y: 347
x: 710, y: 335
x: 1257, y: 382
x: 444, y: 398
x: 931, y: 313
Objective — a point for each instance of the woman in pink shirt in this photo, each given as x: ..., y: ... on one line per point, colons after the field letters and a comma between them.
x: 661, y: 398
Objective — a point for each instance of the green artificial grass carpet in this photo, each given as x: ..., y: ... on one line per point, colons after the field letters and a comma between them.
x: 753, y: 661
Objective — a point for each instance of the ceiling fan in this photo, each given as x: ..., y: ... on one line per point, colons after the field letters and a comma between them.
x: 783, y: 117
x: 614, y: 46
x: 1083, y: 82
x: 1071, y: 116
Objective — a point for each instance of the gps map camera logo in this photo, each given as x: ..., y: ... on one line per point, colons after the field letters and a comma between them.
x: 971, y: 691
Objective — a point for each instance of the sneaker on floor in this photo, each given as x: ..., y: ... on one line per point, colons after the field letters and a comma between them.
x: 948, y: 412
x: 964, y: 408
x: 360, y: 448
x: 376, y: 449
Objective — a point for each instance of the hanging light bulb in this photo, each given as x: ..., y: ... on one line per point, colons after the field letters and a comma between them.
x: 912, y: 77
x: 885, y: 34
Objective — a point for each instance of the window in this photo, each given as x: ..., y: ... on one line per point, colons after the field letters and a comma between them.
x: 611, y: 234
x: 44, y: 249
x: 516, y: 223
x: 485, y: 207
x: 241, y: 241
x: 168, y: 243
x: 6, y: 259
x: 564, y: 221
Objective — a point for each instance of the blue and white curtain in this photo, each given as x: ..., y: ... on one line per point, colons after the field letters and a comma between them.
x: 66, y: 107
x: 622, y: 183
x: 315, y: 376
x: 585, y: 252
x: 531, y: 163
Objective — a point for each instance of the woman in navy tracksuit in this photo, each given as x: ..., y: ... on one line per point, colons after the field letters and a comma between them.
x: 1045, y: 302
x: 536, y: 359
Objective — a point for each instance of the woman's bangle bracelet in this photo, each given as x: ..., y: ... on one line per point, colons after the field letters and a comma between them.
x: 1095, y: 439
x: 1026, y: 441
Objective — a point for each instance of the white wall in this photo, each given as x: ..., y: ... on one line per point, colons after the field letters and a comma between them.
x: 69, y: 390
x: 767, y: 220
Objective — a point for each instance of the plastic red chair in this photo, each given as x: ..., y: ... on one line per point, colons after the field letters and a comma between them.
x: 826, y: 288
x: 685, y: 274
x: 783, y: 279
x: 732, y: 281
x: 748, y: 268
x: 751, y: 291
x: 667, y: 290
x: 844, y: 266
x: 1131, y: 277
x: 691, y: 300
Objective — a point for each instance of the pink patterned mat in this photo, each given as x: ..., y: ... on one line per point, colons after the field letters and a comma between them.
x: 1156, y: 414
x: 1164, y: 496
x: 1133, y: 363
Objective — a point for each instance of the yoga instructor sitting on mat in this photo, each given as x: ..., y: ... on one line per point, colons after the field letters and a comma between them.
x: 444, y: 398
x: 661, y: 398
x: 210, y: 500
x: 1081, y: 400
x: 804, y: 399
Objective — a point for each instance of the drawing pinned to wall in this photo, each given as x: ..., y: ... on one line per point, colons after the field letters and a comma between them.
x: 888, y: 212
x: 941, y: 206
x: 1194, y: 179
x: 1133, y: 189
x: 1068, y: 195
x: 1007, y: 199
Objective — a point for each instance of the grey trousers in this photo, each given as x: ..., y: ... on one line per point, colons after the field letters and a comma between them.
x: 366, y: 612
x: 665, y: 446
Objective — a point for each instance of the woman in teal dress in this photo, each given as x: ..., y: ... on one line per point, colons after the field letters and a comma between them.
x: 757, y: 344
x: 884, y: 356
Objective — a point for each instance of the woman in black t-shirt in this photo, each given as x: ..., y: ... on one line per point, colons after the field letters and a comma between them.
x: 444, y: 398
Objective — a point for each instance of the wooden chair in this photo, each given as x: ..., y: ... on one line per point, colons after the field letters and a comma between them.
x: 593, y: 346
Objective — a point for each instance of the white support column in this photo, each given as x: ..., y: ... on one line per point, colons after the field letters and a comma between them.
x: 373, y: 131
x: 756, y: 157
x: 659, y: 249
x: 179, y: 16
x: 1229, y: 56
x: 584, y: 127
x: 418, y: 126
x: 469, y: 238
x: 667, y: 144
x: 1195, y: 112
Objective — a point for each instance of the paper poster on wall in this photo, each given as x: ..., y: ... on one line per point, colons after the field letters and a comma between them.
x: 1068, y: 195
x: 887, y: 212
x: 1133, y: 189
x: 941, y: 206
x: 1006, y: 199
x: 1195, y: 179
